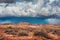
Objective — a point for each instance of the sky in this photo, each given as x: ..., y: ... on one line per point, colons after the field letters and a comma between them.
x: 30, y: 8
x: 49, y: 9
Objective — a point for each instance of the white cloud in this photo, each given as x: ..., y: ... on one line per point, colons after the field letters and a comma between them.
x: 3, y: 22
x: 51, y: 1
x: 53, y: 21
x: 28, y: 9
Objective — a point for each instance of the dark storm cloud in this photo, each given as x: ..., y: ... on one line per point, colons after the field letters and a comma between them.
x: 6, y: 1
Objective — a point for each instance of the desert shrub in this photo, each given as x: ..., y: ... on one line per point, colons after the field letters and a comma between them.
x: 10, y: 30
x: 39, y: 33
x: 22, y: 33
x: 42, y: 32
x: 30, y: 29
x: 56, y: 32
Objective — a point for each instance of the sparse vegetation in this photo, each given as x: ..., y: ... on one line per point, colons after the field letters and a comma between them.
x: 10, y: 30
x: 39, y: 33
x: 22, y: 33
x: 42, y: 32
x: 56, y: 32
x: 14, y: 31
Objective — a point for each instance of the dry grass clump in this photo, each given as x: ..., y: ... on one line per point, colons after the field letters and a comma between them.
x: 41, y: 32
x: 13, y: 31
x: 10, y: 30
x: 22, y: 33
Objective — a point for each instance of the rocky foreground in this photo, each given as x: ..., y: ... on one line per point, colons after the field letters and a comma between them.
x: 26, y: 31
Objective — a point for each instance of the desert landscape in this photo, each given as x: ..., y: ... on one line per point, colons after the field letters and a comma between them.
x: 29, y: 19
x: 26, y: 31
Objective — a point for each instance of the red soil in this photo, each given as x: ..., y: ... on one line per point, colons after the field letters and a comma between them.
x: 49, y: 27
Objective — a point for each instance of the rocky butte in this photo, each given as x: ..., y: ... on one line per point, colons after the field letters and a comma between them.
x: 26, y: 31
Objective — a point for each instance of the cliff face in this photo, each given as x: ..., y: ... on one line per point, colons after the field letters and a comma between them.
x: 44, y: 32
